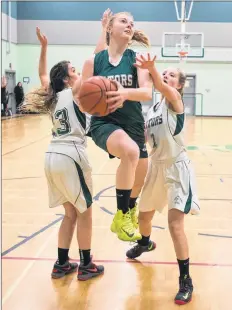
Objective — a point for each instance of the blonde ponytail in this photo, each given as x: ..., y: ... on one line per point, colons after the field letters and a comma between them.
x: 141, y: 37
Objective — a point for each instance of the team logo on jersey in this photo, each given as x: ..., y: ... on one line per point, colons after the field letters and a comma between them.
x: 158, y: 120
x: 177, y: 200
x: 144, y: 149
x: 124, y: 79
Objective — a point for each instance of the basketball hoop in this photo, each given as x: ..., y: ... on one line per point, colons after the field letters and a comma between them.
x: 183, y: 55
x: 191, y: 43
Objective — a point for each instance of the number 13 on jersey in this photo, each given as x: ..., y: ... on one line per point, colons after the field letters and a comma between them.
x: 62, y: 117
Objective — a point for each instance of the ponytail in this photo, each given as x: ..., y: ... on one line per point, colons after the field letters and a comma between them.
x: 140, y: 37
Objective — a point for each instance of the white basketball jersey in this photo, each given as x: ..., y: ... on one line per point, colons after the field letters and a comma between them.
x: 70, y: 126
x: 69, y: 123
x: 165, y: 132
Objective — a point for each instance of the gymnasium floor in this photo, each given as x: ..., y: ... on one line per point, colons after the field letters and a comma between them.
x: 29, y: 230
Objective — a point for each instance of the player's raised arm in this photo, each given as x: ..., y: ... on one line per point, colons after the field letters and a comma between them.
x: 43, y: 74
x: 101, y: 45
x: 170, y: 93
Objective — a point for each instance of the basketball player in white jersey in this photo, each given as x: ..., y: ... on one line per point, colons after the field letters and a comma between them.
x: 67, y: 168
x: 170, y: 178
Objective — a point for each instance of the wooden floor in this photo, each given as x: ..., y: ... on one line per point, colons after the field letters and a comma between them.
x: 29, y: 230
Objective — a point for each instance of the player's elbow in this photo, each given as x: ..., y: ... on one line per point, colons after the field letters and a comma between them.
x: 171, y: 94
x: 87, y: 70
x: 148, y: 94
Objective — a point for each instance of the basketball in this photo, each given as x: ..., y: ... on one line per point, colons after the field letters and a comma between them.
x: 92, y: 95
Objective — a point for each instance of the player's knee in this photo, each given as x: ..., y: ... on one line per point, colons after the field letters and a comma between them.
x: 129, y: 152
x: 72, y: 217
x: 85, y: 216
x: 175, y: 227
x: 145, y: 217
x: 176, y: 221
x: 70, y: 213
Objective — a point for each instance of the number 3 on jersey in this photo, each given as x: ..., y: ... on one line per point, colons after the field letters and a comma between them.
x: 153, y: 139
x: 62, y: 116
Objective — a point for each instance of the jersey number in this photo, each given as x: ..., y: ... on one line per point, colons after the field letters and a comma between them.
x: 62, y: 116
x: 153, y: 138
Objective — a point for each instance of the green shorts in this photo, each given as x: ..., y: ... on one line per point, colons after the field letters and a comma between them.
x: 101, y: 133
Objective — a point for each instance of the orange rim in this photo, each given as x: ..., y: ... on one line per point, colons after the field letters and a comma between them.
x: 183, y: 54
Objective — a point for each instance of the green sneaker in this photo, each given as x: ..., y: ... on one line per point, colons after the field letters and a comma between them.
x: 123, y: 227
x: 134, y: 216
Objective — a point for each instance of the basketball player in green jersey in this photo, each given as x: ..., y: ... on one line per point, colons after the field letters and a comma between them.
x: 121, y: 133
x: 170, y: 178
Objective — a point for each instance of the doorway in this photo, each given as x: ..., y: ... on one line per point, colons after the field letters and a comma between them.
x: 11, y: 83
x: 189, y: 97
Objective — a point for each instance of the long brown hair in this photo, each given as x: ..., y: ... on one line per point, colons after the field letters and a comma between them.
x: 34, y: 101
x: 44, y: 100
x: 138, y: 36
x: 58, y: 74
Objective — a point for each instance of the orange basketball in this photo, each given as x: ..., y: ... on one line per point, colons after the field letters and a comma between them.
x: 92, y: 95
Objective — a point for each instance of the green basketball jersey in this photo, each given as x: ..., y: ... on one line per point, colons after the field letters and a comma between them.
x: 126, y: 74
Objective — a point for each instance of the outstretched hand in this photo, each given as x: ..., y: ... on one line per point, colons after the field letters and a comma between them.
x: 105, y: 18
x: 145, y: 63
x: 41, y: 37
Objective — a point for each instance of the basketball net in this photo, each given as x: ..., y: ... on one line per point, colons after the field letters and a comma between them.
x: 183, y: 56
x: 183, y: 17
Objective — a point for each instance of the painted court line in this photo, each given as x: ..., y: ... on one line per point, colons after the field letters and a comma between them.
x: 29, y: 213
x: 31, y: 236
x: 22, y: 178
x: 26, y: 145
x: 216, y: 199
x: 18, y: 280
x: 95, y: 198
x: 26, y: 239
x: 116, y: 261
x: 216, y: 236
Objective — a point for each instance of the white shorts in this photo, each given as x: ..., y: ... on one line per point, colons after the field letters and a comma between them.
x: 67, y: 182
x: 172, y: 184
